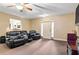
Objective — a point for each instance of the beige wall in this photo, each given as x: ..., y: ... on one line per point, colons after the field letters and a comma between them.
x: 4, y: 22
x: 26, y: 24
x: 35, y: 25
x: 63, y: 25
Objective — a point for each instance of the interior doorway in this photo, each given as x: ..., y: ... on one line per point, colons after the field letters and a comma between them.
x: 47, y: 29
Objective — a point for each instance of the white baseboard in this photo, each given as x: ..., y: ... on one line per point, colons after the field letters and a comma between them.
x: 60, y: 39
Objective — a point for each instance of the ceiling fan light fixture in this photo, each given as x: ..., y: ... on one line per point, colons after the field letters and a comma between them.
x: 19, y: 7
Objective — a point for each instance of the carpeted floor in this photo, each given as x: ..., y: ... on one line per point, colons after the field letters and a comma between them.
x: 38, y: 47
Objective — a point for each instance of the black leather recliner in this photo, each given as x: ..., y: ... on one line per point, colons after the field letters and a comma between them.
x: 2, y: 39
x: 34, y: 35
x: 15, y: 38
x: 25, y: 33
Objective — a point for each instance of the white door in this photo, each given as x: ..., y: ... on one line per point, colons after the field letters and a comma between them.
x: 47, y: 29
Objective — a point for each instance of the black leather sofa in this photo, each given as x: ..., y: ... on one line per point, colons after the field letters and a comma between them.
x: 34, y: 35
x: 2, y: 39
x: 16, y: 38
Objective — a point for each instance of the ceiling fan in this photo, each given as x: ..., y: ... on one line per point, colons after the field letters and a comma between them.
x: 22, y: 6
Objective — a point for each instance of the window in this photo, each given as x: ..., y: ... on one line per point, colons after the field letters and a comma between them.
x: 52, y: 29
x: 15, y: 24
x: 41, y: 29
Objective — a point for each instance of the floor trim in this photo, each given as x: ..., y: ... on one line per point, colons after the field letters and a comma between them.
x: 60, y: 39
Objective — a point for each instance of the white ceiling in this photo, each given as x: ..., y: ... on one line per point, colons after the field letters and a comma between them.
x: 40, y: 9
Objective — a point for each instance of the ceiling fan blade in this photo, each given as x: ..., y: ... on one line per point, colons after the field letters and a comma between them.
x: 25, y: 3
x: 27, y: 10
x: 27, y: 7
x: 10, y: 6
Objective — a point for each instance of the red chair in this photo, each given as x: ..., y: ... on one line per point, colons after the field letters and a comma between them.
x: 71, y: 39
